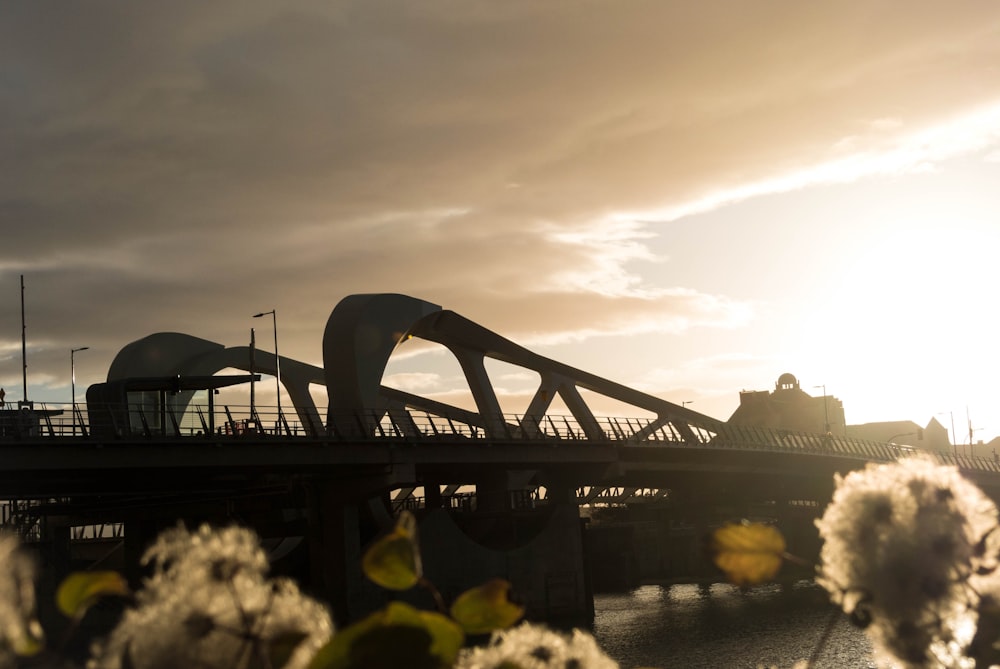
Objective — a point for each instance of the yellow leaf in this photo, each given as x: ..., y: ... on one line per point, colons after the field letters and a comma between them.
x: 81, y: 589
x: 486, y: 608
x: 748, y: 553
x: 393, y: 561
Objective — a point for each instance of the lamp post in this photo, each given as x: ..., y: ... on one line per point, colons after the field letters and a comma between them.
x: 826, y: 409
x: 277, y: 360
x: 684, y: 403
x: 72, y: 381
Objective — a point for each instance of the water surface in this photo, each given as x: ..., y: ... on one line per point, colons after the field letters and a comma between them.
x: 718, y: 625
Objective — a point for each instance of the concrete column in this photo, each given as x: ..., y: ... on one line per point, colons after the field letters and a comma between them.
x: 432, y: 495
x: 492, y: 492
x: 139, y: 535
x: 334, y: 551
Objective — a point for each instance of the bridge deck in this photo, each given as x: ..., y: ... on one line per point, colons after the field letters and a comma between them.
x: 404, y: 447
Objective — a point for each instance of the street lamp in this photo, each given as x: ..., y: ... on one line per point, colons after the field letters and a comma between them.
x: 72, y: 380
x: 826, y: 409
x: 277, y: 360
x: 684, y: 403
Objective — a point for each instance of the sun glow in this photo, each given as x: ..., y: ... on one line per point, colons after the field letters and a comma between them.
x: 905, y: 325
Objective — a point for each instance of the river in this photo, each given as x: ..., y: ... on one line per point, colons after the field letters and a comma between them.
x: 720, y: 626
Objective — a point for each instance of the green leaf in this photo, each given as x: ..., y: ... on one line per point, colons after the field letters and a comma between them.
x: 486, y: 608
x: 81, y: 589
x: 397, y: 636
x: 748, y: 553
x: 393, y: 561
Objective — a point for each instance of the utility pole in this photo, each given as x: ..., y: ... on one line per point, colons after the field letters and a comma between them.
x: 969, y: 421
x: 954, y: 446
x: 277, y: 362
x: 24, y: 348
x: 253, y: 346
x: 972, y: 448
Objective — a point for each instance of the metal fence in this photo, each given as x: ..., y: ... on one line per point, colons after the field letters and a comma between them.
x: 240, y: 421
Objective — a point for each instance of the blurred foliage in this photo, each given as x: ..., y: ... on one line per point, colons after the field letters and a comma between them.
x: 486, y: 608
x: 747, y: 553
x: 400, y: 635
x: 281, y: 647
x: 29, y: 641
x: 396, y: 636
x: 81, y: 590
x: 393, y: 561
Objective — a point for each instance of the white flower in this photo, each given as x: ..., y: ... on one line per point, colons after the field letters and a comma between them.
x: 902, y: 545
x: 535, y: 647
x: 209, y: 604
x: 19, y: 629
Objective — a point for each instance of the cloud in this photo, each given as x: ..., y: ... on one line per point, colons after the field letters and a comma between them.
x: 414, y: 382
x: 184, y: 166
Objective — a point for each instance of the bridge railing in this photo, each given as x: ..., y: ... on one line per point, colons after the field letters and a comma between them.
x: 42, y: 420
x: 757, y: 438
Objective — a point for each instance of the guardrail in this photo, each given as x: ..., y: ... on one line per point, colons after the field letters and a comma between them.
x: 236, y: 421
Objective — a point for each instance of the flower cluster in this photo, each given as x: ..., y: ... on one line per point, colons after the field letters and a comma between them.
x: 209, y: 603
x: 19, y: 629
x: 907, y: 549
x: 530, y: 646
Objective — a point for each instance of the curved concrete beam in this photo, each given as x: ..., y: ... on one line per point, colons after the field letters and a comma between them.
x: 173, y: 353
x: 359, y: 337
x: 160, y: 354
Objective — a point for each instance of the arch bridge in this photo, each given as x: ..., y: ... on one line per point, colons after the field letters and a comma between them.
x: 160, y: 390
x: 151, y: 446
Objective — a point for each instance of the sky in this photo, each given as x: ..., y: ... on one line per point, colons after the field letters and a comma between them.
x: 687, y: 198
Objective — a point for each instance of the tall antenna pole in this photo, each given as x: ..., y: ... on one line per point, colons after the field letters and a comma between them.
x: 253, y: 346
x: 24, y: 346
x: 969, y: 421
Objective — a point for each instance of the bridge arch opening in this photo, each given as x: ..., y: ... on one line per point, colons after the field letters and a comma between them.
x: 516, y: 386
x: 423, y: 368
x: 606, y: 406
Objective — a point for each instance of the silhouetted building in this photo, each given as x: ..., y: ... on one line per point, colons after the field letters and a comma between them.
x: 934, y: 437
x: 990, y: 449
x: 789, y: 407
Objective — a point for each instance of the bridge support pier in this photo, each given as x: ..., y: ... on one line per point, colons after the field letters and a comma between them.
x: 547, y: 571
x: 334, y: 545
x: 540, y: 552
x: 432, y: 495
x: 493, y: 492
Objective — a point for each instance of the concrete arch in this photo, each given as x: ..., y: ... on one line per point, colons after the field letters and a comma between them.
x: 174, y: 353
x: 360, y: 335
x: 363, y: 330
